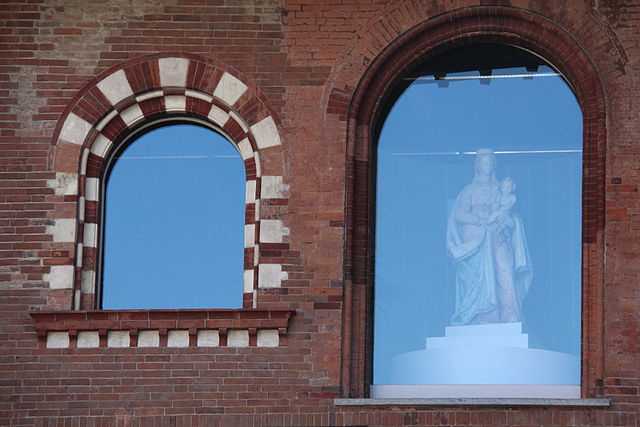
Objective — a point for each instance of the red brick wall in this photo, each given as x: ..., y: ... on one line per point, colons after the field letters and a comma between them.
x: 308, y: 60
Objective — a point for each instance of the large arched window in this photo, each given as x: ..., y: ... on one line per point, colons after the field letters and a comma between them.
x: 478, y: 230
x: 174, y: 220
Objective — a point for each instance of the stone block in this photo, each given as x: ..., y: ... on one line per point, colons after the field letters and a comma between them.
x: 238, y: 338
x: 75, y: 129
x: 266, y: 133
x: 115, y: 87
x: 229, y: 89
x: 88, y: 339
x: 173, y: 71
x: 178, y: 338
x: 268, y: 338
x: 63, y: 230
x: 58, y: 340
x: 208, y: 338
x: 270, y: 275
x: 149, y: 338
x: 118, y: 339
x: 60, y: 277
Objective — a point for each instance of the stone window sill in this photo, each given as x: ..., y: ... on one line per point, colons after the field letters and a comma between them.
x: 504, y: 402
x: 162, y: 328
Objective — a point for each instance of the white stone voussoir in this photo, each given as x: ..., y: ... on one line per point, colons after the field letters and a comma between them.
x: 218, y: 115
x: 83, y: 161
x: 76, y: 299
x: 173, y: 71
x: 74, y: 129
x: 229, y: 89
x: 198, y: 95
x: 90, y: 236
x: 100, y: 145
x: 92, y: 189
x: 88, y: 282
x: 271, y: 187
x: 250, y: 191
x: 115, y: 87
x: 249, y: 235
x: 132, y: 115
x: 256, y: 159
x: 272, y: 231
x: 271, y: 275
x: 175, y: 103
x: 266, y: 133
x: 79, y: 251
x: 247, y: 281
x: 102, y: 123
x: 150, y: 95
x: 60, y: 277
x: 63, y: 230
x: 65, y: 184
x: 246, y: 150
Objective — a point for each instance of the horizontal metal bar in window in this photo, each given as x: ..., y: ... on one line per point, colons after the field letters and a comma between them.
x: 473, y: 153
x: 436, y: 78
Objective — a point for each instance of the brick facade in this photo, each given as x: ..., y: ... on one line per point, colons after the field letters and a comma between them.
x: 298, y: 86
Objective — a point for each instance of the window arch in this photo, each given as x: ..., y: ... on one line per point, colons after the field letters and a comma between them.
x: 155, y: 89
x: 379, y: 80
x: 174, y: 202
x: 478, y: 230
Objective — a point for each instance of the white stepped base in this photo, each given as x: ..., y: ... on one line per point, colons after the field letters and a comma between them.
x: 460, y: 342
x: 483, y: 336
x: 511, y: 328
x: 484, y: 354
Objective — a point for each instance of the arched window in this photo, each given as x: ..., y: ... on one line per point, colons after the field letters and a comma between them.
x: 478, y: 230
x: 174, y: 220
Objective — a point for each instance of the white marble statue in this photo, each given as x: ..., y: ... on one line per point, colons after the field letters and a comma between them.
x: 486, y: 239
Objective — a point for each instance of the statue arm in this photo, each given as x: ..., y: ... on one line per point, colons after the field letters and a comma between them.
x: 463, y: 210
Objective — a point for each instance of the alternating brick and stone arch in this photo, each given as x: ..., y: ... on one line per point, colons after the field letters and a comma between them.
x: 355, y: 99
x: 119, y: 103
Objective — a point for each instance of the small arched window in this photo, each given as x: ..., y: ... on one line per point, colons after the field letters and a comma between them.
x: 173, y: 221
x: 478, y: 230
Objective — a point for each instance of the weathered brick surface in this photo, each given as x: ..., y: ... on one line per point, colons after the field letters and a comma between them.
x: 307, y: 62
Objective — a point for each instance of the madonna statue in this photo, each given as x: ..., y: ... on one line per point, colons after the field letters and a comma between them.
x: 486, y: 240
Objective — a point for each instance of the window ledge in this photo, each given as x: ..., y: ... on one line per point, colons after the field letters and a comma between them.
x: 162, y: 328
x: 475, y: 402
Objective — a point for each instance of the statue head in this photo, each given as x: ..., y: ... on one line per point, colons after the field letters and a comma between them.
x: 485, y: 162
x: 507, y: 186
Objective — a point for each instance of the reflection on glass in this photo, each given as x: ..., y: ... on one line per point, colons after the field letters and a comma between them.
x: 174, y: 222
x: 478, y: 181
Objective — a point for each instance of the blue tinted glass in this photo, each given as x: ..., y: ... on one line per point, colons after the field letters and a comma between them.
x: 174, y: 222
x: 478, y: 232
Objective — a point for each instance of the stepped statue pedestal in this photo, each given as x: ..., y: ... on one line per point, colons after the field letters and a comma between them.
x: 488, y: 360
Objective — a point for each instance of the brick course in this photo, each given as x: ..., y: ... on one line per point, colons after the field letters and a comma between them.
x: 320, y: 69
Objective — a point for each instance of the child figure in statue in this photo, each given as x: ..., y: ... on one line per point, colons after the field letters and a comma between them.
x: 501, y: 215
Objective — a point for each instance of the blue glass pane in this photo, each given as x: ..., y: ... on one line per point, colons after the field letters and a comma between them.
x: 479, y: 251
x: 174, y: 222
